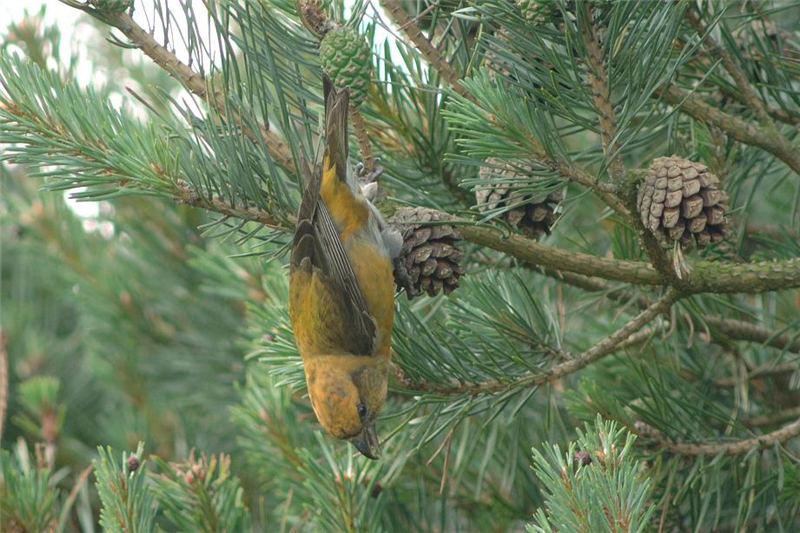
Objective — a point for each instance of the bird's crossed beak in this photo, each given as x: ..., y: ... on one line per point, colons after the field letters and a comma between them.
x: 367, y: 442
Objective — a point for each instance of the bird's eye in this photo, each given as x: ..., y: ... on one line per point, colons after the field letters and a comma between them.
x: 362, y: 410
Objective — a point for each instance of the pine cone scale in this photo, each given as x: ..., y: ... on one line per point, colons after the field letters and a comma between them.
x: 680, y: 201
x: 429, y: 253
x: 533, y: 214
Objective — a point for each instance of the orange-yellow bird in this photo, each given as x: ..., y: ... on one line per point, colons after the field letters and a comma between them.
x: 341, y: 293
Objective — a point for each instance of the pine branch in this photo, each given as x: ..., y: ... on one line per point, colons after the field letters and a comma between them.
x: 775, y: 112
x: 741, y: 130
x: 128, y: 504
x: 734, y: 329
x: 606, y: 191
x: 425, y: 47
x: 188, y: 196
x: 594, y: 485
x: 195, y: 83
x: 360, y: 129
x: 771, y: 420
x: 706, y: 276
x: 769, y: 369
x: 746, y: 331
x: 739, y: 447
x: 607, y: 346
x: 101, y: 155
x: 739, y: 77
x: 601, y: 93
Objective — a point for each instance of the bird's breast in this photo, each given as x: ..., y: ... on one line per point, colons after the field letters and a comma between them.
x: 373, y: 269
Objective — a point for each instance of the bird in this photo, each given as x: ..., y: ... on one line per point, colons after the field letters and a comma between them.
x: 341, y: 289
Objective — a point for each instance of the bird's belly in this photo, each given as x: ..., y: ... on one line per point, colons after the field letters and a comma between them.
x: 373, y: 269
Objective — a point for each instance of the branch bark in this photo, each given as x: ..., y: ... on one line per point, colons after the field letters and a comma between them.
x: 425, y: 46
x: 706, y: 276
x: 601, y: 93
x: 189, y: 197
x: 745, y: 331
x: 739, y: 447
x: 768, y: 140
x: 770, y: 420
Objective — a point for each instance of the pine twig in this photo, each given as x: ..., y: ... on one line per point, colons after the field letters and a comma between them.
x: 189, y: 196
x: 739, y: 77
x: 771, y: 420
x: 775, y: 112
x: 601, y: 94
x: 607, y: 192
x: 196, y: 84
x: 742, y: 330
x: 760, y: 372
x: 739, y: 330
x: 364, y: 144
x: 424, y: 45
x: 741, y: 130
x: 739, y: 447
x: 607, y: 346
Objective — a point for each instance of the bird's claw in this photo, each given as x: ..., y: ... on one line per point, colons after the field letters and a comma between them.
x: 403, y: 279
x: 364, y: 176
x: 373, y: 176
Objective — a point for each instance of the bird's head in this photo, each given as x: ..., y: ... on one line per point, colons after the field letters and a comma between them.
x: 347, y: 393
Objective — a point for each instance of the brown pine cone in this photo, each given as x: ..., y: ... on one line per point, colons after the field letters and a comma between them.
x: 534, y: 216
x: 680, y: 199
x: 496, y: 65
x: 428, y: 261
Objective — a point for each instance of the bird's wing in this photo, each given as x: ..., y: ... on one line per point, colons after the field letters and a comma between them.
x: 317, y: 246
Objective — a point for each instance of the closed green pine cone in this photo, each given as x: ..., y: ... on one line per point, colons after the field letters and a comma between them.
x: 345, y: 56
x: 536, y: 11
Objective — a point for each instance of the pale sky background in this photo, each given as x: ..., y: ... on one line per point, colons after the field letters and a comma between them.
x: 70, y: 20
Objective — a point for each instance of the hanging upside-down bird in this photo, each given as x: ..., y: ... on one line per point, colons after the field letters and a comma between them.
x: 341, y: 297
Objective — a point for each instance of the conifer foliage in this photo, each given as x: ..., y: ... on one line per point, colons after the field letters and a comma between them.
x: 600, y: 205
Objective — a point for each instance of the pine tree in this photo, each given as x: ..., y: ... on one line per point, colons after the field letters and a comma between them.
x: 162, y: 318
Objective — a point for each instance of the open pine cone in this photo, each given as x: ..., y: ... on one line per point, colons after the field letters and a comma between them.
x: 534, y: 217
x: 428, y: 261
x: 496, y: 65
x: 681, y: 201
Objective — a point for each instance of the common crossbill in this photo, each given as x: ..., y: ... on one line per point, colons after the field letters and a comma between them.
x: 341, y: 290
